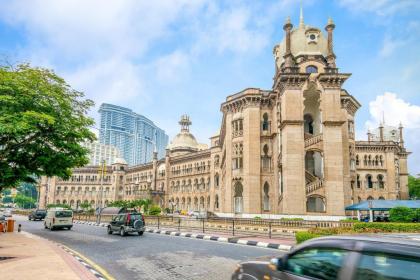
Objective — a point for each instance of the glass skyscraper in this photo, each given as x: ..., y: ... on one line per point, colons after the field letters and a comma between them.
x: 133, y: 134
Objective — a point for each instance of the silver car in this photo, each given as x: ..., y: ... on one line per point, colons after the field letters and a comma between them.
x: 341, y: 257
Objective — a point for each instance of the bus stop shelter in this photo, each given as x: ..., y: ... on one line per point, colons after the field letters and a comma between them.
x: 381, y: 205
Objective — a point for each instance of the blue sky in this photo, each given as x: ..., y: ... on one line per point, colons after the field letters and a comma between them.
x: 166, y: 58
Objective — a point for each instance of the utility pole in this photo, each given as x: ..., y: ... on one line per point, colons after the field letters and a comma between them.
x: 102, y: 173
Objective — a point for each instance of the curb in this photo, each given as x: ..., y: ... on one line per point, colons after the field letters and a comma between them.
x: 95, y: 269
x: 98, y: 271
x: 232, y: 240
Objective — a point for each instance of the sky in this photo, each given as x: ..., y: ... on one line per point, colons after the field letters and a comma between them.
x: 166, y: 58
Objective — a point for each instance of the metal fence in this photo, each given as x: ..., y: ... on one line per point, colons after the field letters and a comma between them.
x: 228, y: 226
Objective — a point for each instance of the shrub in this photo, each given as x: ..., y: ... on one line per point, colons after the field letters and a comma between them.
x: 401, y: 214
x: 257, y: 218
x: 58, y: 205
x: 291, y: 219
x: 302, y: 236
x: 387, y: 227
x: 154, y: 210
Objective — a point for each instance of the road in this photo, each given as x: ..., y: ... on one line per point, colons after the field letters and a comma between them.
x: 151, y: 256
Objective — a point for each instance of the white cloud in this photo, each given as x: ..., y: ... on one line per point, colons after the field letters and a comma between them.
x: 380, y: 7
x: 395, y: 110
x: 390, y: 45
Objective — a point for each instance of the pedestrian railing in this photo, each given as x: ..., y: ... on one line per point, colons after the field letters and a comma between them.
x: 230, y: 226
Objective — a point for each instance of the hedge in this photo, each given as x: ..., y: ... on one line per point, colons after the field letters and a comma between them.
x: 386, y: 227
x: 305, y: 235
x: 357, y: 229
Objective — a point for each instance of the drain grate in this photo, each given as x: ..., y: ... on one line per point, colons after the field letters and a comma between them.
x: 6, y: 258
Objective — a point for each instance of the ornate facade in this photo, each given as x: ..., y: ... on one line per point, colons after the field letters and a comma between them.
x: 290, y: 150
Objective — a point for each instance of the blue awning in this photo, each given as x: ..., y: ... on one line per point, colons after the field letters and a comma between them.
x: 383, y: 205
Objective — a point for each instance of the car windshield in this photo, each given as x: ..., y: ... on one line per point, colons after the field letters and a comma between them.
x: 40, y: 211
x: 63, y: 214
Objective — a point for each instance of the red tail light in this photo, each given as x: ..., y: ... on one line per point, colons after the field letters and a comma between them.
x: 53, y: 220
x: 142, y: 218
x: 128, y: 219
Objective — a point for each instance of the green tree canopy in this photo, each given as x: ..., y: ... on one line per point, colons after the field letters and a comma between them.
x: 401, y: 214
x: 24, y: 201
x: 414, y: 187
x: 42, y: 123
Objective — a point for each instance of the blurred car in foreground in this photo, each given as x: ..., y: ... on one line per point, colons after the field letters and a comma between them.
x: 342, y: 257
x: 38, y: 214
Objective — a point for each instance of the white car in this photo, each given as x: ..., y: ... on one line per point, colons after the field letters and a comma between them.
x: 58, y: 218
x: 7, y: 213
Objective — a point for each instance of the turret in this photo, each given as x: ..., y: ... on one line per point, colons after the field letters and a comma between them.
x: 288, y: 57
x: 401, y: 135
x: 331, y: 56
x: 381, y: 132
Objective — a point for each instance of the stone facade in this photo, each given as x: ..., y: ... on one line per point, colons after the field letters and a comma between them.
x: 290, y: 150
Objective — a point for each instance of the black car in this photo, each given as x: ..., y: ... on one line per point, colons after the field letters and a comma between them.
x: 342, y: 257
x: 127, y: 222
x: 38, y: 214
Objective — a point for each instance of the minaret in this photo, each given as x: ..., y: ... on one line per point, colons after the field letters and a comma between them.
x: 331, y: 56
x: 381, y: 131
x: 288, y: 57
x: 401, y: 135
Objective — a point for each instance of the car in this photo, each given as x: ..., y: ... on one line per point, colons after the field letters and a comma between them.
x: 341, y: 257
x: 198, y: 214
x: 58, y: 218
x: 126, y: 223
x: 38, y: 214
x: 7, y: 213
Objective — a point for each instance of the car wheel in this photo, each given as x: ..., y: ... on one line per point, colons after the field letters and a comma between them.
x: 69, y: 228
x: 29, y: 218
x: 45, y: 226
x: 52, y: 228
x: 122, y: 232
x: 109, y: 230
x: 140, y: 233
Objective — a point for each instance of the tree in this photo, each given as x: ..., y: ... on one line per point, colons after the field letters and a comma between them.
x: 85, y: 205
x: 58, y: 205
x: 146, y: 204
x: 414, y: 187
x: 42, y: 123
x: 401, y: 214
x: 24, y: 201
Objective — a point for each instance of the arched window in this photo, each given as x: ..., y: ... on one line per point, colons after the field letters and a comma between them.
x: 208, y: 202
x: 369, y: 182
x: 216, y: 180
x: 359, y: 183
x: 370, y: 198
x: 195, y: 203
x: 238, y: 199
x: 266, y: 159
x: 216, y: 202
x: 311, y: 69
x: 365, y: 160
x: 381, y: 198
x: 357, y: 160
x: 309, y: 124
x: 381, y: 183
x: 266, y: 198
x: 315, y: 204
x: 265, y: 123
x: 359, y: 199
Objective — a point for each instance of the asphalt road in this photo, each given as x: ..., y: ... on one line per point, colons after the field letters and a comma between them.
x: 151, y: 256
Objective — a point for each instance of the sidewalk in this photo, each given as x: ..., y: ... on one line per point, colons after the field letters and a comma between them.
x: 36, y: 258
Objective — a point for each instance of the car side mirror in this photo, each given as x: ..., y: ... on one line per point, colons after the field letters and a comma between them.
x: 276, y: 264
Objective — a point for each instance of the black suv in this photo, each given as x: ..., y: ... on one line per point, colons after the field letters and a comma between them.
x: 38, y: 214
x: 342, y: 257
x: 127, y: 222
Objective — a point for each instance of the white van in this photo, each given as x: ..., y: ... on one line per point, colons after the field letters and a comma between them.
x: 58, y: 218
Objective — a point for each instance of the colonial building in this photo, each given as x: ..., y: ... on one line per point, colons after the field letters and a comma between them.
x: 290, y: 150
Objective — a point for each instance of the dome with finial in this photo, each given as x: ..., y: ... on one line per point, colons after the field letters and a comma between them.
x: 304, y: 40
x: 184, y: 141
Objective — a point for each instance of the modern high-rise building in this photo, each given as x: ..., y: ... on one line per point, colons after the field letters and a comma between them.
x: 101, y: 152
x: 134, y: 135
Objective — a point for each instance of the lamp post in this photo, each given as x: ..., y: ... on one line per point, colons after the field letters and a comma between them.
x: 370, y: 205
